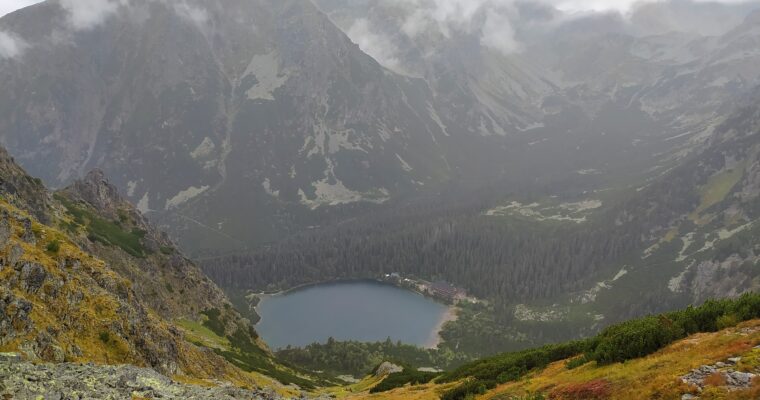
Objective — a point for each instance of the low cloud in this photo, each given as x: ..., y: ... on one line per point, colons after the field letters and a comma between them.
x: 493, y: 20
x: 88, y: 14
x: 11, y: 46
x: 192, y: 13
x: 503, y: 24
x: 377, y: 45
x: 499, y: 34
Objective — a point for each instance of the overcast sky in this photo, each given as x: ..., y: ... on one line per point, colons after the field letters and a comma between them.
x: 7, y: 6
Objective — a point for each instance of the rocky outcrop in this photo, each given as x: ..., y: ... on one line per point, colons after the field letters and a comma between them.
x: 23, y: 380
x: 15, y: 316
x: 95, y: 189
x: 725, y: 371
x: 387, y: 368
x: 22, y: 190
x: 162, y: 272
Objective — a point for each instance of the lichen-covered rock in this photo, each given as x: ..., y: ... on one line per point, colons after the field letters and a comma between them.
x: 23, y: 380
x: 32, y: 276
x: 5, y: 229
x: 14, y: 254
x: 734, y: 379
x: 15, y: 317
x: 27, y: 235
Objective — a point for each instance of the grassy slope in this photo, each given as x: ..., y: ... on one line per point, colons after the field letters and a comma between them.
x: 89, y: 325
x: 654, y: 376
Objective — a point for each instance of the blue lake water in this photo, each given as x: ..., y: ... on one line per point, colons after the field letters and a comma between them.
x: 362, y: 310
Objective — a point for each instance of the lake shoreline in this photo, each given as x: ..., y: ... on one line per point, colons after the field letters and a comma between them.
x: 450, y: 315
x: 436, y: 320
x: 304, y: 286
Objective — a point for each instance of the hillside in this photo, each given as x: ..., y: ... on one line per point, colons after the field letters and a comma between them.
x: 84, y: 278
x: 651, y: 377
x: 718, y: 363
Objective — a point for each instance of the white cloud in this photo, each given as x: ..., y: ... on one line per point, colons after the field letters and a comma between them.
x: 498, y: 33
x: 88, y: 14
x: 11, y: 46
x: 191, y: 13
x: 376, y: 45
x: 622, y: 6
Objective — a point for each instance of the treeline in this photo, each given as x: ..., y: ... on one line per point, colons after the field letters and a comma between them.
x: 358, y: 358
x: 617, y: 343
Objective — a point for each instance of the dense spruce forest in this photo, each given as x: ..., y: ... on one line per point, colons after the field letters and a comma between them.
x: 492, y: 257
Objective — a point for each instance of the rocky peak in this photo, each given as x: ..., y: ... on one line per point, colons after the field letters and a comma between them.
x: 22, y: 190
x: 95, y: 190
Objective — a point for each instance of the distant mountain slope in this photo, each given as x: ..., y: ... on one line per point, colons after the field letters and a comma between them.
x: 205, y: 110
x: 237, y: 123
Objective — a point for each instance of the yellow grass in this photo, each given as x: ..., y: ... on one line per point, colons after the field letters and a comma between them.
x: 655, y: 376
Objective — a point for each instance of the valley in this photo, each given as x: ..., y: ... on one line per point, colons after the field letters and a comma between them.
x: 491, y: 199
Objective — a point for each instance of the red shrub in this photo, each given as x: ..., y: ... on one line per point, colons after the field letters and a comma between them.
x: 596, y: 389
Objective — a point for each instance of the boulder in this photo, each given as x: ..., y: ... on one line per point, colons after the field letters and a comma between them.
x: 33, y: 276
x: 387, y: 368
x: 28, y: 234
x: 5, y: 229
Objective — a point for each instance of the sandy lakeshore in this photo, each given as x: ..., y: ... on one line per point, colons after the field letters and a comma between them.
x: 435, y: 335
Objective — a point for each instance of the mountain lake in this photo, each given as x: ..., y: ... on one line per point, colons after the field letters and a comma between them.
x: 366, y: 311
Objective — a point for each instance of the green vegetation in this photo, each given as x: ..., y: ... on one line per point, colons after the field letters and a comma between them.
x: 617, y: 343
x: 717, y: 188
x: 200, y: 335
x: 357, y: 358
x: 213, y: 321
x: 239, y: 348
x: 104, y: 337
x: 399, y: 379
x: 643, y: 336
x: 53, y: 247
x: 104, y: 231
